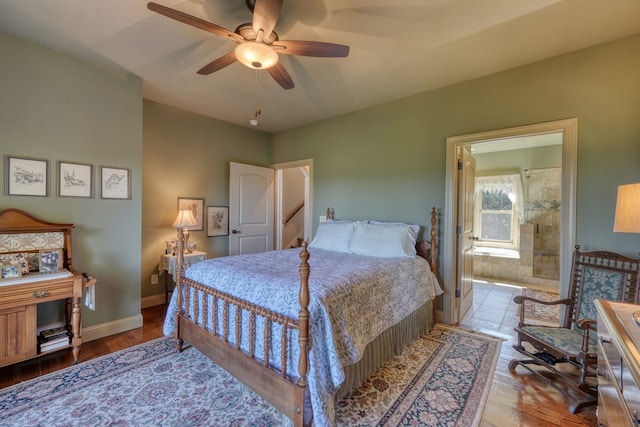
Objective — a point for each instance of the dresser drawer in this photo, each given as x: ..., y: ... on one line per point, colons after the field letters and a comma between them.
x: 35, y: 293
x: 611, y: 409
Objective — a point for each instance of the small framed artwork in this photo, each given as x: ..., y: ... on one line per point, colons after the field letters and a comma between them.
x: 50, y: 261
x: 172, y: 247
x: 115, y: 183
x: 27, y: 177
x: 217, y: 221
x: 75, y: 180
x: 197, y: 209
x: 16, y: 258
x: 10, y: 271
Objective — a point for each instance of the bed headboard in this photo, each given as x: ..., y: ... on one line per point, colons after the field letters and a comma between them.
x: 425, y: 249
x: 429, y: 249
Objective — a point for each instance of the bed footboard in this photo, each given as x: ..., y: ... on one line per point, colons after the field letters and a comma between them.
x: 284, y: 390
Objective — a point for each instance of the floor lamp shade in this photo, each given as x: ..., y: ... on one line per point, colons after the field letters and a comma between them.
x: 628, y: 209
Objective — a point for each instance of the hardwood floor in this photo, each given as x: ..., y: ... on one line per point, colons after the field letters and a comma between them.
x: 514, y: 399
x: 520, y: 398
x: 153, y: 317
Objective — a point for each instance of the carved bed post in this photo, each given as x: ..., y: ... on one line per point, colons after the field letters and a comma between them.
x: 434, y: 241
x: 179, y: 271
x: 433, y: 259
x: 303, y: 317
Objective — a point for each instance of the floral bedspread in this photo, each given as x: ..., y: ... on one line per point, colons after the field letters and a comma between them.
x: 353, y: 299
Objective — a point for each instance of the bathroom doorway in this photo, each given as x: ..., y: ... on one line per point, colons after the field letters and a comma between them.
x: 450, y: 309
x: 518, y: 209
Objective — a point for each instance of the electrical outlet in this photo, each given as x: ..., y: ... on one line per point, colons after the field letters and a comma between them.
x: 154, y: 279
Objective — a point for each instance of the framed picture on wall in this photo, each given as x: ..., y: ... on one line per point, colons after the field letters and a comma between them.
x: 115, y: 183
x: 217, y: 221
x: 196, y: 206
x: 26, y: 176
x: 75, y: 180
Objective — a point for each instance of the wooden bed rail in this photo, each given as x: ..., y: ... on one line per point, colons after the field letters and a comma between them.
x: 196, y: 296
x: 282, y: 390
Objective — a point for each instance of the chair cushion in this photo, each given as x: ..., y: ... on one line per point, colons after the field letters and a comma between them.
x: 569, y: 341
x: 598, y: 283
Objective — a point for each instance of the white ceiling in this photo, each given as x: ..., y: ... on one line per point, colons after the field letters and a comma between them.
x: 398, y: 48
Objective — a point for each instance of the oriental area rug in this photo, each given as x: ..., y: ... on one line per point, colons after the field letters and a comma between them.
x: 442, y: 379
x: 548, y: 314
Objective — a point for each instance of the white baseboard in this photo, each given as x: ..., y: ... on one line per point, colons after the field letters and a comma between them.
x: 153, y: 300
x: 102, y: 330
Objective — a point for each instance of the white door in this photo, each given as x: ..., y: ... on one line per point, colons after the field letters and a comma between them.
x: 251, y: 209
x: 466, y: 206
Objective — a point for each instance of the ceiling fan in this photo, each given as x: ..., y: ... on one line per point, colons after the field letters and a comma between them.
x: 258, y: 46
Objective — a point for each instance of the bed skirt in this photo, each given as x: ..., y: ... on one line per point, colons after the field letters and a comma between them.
x: 385, y: 346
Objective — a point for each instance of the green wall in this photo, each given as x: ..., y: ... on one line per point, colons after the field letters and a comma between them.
x: 385, y: 162
x: 516, y: 161
x: 188, y: 155
x: 388, y: 162
x: 56, y: 107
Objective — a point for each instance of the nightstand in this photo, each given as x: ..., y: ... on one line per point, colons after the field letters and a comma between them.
x: 168, y: 266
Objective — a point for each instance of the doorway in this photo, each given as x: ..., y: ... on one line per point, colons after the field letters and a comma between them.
x: 293, y: 202
x: 450, y: 310
x: 518, y: 202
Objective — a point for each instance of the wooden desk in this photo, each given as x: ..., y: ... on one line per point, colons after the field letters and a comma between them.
x: 168, y: 266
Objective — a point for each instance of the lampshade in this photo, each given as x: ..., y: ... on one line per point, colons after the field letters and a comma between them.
x: 256, y: 55
x: 628, y: 209
x: 184, y: 219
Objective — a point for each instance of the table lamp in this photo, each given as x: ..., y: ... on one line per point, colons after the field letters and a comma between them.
x: 628, y: 217
x: 183, y: 222
x: 628, y: 209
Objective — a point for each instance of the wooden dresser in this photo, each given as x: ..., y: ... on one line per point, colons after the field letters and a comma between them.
x: 618, y: 364
x: 25, y: 235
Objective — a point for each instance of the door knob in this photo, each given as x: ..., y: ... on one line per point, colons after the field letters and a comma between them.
x: 234, y: 232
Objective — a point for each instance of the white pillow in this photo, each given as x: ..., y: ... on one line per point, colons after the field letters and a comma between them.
x: 383, y: 240
x: 333, y: 236
x: 414, y: 227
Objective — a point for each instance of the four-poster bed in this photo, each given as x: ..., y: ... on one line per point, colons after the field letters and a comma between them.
x: 352, y: 311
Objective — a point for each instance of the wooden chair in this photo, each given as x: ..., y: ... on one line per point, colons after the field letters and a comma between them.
x: 594, y: 275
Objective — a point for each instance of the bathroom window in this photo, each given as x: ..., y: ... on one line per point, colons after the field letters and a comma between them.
x: 498, y: 209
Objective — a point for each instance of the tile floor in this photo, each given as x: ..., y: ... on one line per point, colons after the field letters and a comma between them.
x: 493, y: 311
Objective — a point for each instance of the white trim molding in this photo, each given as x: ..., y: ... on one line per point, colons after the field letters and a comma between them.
x: 102, y: 330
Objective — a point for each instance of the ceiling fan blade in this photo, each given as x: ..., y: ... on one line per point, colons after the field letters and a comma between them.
x: 218, y: 64
x: 265, y: 16
x: 280, y: 75
x: 309, y: 48
x: 194, y: 21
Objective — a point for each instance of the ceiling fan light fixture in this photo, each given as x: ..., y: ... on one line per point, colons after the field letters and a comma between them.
x: 258, y: 56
